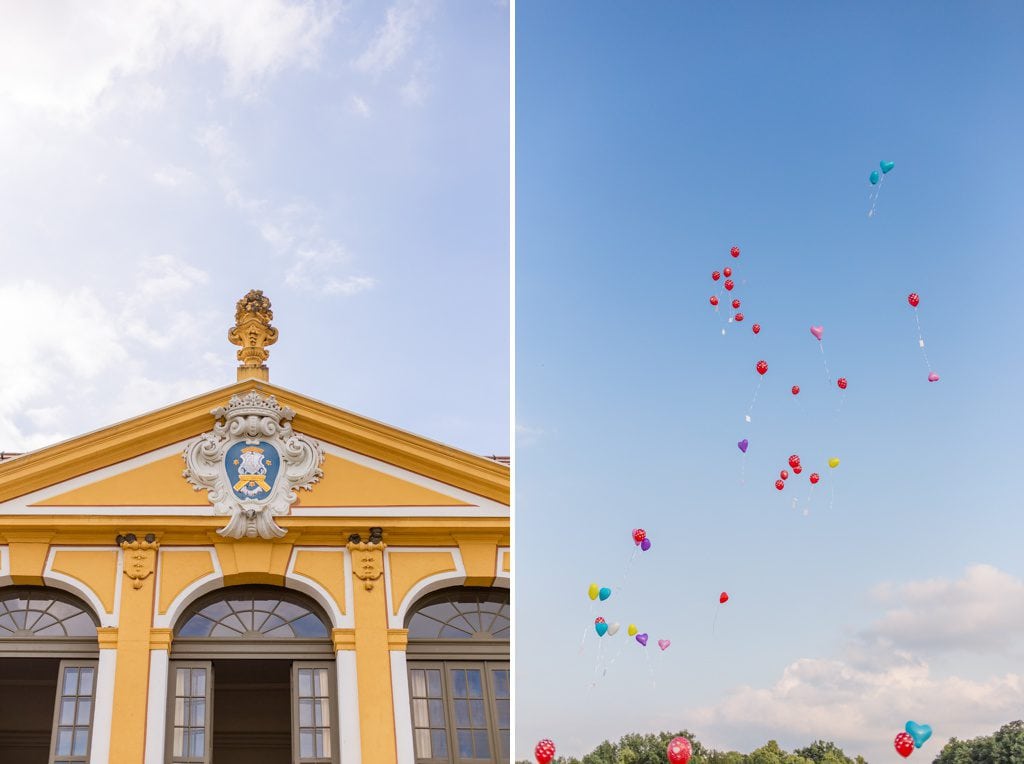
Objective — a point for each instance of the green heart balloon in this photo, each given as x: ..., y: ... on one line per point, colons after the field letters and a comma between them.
x: 886, y: 166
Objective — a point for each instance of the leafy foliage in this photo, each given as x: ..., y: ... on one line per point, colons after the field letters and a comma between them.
x: 1006, y: 746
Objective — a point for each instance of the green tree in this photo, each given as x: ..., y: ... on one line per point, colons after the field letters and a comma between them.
x: 1005, y: 746
x: 771, y: 753
x: 824, y: 752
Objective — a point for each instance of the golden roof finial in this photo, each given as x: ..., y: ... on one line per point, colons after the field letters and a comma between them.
x: 253, y: 333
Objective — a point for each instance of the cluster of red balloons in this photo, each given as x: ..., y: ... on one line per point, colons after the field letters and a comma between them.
x: 794, y: 464
x: 729, y: 285
x: 640, y: 539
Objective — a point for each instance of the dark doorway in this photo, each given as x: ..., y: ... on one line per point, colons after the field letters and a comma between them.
x: 252, y: 720
x: 28, y: 687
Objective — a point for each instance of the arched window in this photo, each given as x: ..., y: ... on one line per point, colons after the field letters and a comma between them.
x: 253, y: 614
x: 48, y: 675
x: 240, y: 643
x: 29, y: 613
x: 459, y: 676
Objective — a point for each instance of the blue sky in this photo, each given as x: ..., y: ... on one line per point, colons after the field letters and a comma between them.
x: 350, y: 159
x: 652, y: 138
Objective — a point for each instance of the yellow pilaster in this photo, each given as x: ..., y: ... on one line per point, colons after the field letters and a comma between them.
x: 373, y: 658
x: 131, y: 678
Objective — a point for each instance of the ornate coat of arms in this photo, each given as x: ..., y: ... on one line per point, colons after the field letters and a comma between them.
x: 252, y: 464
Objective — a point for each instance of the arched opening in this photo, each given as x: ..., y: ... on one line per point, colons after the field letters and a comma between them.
x: 458, y: 661
x: 48, y: 662
x: 252, y: 680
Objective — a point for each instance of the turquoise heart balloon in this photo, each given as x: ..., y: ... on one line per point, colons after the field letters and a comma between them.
x: 604, y: 593
x: 602, y: 628
x: 920, y: 733
x: 886, y: 166
x: 874, y: 177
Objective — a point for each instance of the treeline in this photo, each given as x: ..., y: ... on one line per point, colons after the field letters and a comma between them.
x: 1006, y: 746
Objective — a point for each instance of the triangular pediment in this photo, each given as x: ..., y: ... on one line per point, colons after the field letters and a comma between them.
x: 139, y: 462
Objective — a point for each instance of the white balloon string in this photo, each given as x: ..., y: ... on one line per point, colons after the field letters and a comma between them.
x: 753, y: 401
x: 824, y: 360
x: 920, y: 341
x: 874, y: 195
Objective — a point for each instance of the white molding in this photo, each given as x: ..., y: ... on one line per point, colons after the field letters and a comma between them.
x: 103, y: 713
x: 351, y: 751
x: 5, y: 566
x: 501, y: 578
x: 190, y: 593
x: 80, y: 588
x: 427, y: 585
x: 156, y: 707
x: 312, y: 589
x: 207, y: 511
x: 404, y: 749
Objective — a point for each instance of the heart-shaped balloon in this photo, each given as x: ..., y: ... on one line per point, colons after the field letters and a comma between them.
x: 817, y: 331
x: 723, y: 598
x: 873, y: 177
x: 604, y: 593
x: 544, y: 752
x: 632, y: 630
x: 642, y: 639
x: 601, y: 627
x: 833, y: 462
x: 663, y: 644
x: 613, y: 629
x: 886, y: 166
x: 904, y: 744
x: 645, y: 545
x: 920, y: 733
x: 593, y: 591
x: 933, y: 377
x: 742, y: 445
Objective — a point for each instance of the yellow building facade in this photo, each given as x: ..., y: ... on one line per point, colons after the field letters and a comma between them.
x: 253, y: 576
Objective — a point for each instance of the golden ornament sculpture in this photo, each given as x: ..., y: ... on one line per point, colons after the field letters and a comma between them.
x: 252, y: 332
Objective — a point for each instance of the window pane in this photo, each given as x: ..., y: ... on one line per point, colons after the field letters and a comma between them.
x: 503, y: 741
x: 503, y: 713
x: 462, y: 713
x: 419, y: 683
x: 483, y: 747
x: 85, y: 682
x: 434, y: 683
x: 84, y: 711
x: 70, y: 682
x: 306, y: 744
x: 320, y: 682
x: 64, y: 742
x: 500, y: 683
x: 179, y: 741
x: 198, y: 715
x: 179, y: 711
x: 458, y: 683
x: 180, y: 681
x: 436, y: 713
x: 319, y: 738
x: 81, y: 742
x: 67, y: 711
x: 326, y: 740
x: 198, y: 743
x: 422, y: 739
x: 323, y: 712
x: 309, y: 626
x: 439, y: 742
x: 475, y: 683
x: 419, y: 713
x: 305, y: 713
x: 305, y: 683
x: 476, y: 708
x: 198, y: 683
x: 465, y: 744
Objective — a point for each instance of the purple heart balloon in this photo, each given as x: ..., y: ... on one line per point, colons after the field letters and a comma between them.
x: 642, y: 639
x: 645, y: 544
x: 743, y: 445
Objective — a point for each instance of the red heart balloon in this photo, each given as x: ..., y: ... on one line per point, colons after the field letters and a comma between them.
x: 715, y: 275
x: 735, y: 251
x: 729, y: 285
x: 723, y: 598
x: 756, y: 328
x: 796, y: 389
x: 735, y: 304
x: 779, y: 484
x: 797, y: 469
x: 842, y: 383
x: 714, y: 300
x: 913, y: 299
x: 794, y: 460
x: 679, y: 750
x: 738, y: 316
x: 814, y: 478
x: 639, y: 534
x: 762, y: 367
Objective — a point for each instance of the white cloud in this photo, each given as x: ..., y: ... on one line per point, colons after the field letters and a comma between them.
x: 311, y: 270
x: 527, y: 435
x: 394, y: 39
x: 862, y: 698
x: 359, y: 106
x: 171, y: 176
x: 981, y: 612
x: 64, y: 61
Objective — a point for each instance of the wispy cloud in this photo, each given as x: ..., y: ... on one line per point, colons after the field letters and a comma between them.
x: 359, y: 106
x: 394, y: 39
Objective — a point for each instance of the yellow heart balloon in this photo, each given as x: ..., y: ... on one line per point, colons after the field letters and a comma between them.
x: 632, y: 630
x: 833, y: 462
x: 592, y: 591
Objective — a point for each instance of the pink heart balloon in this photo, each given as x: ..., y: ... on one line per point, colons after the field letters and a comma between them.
x: 933, y: 377
x: 664, y: 643
x: 817, y: 331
